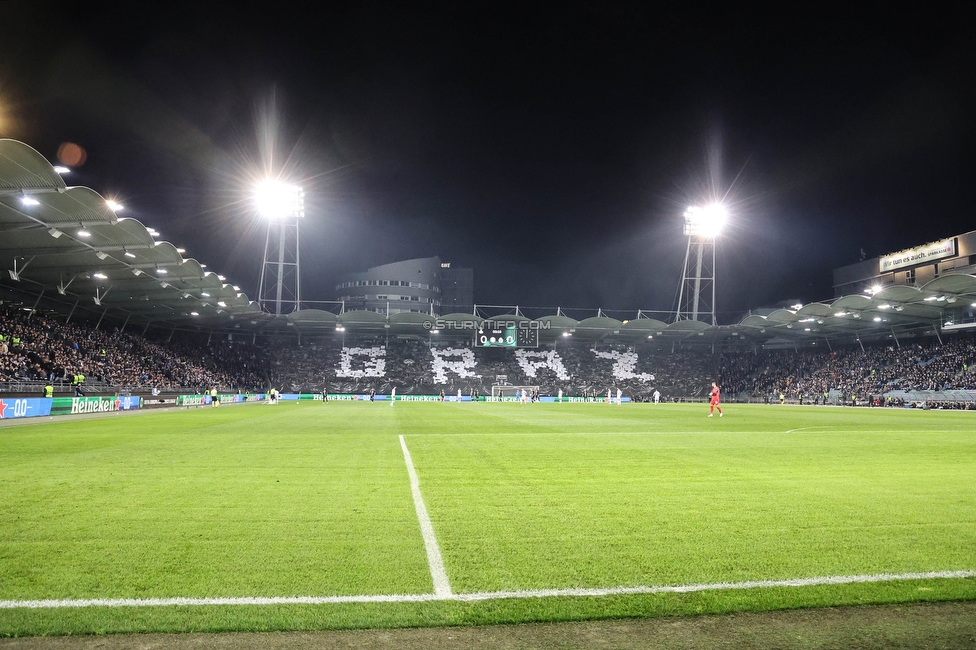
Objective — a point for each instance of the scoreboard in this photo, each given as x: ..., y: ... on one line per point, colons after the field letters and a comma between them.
x: 507, y: 334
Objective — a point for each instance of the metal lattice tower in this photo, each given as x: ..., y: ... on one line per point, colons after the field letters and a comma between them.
x: 280, y: 288
x: 696, y: 294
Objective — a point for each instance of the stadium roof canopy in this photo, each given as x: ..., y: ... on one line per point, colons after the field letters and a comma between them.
x: 67, y: 241
x: 67, y: 245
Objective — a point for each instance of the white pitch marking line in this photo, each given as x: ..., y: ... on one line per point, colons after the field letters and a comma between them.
x: 484, y: 595
x: 442, y: 586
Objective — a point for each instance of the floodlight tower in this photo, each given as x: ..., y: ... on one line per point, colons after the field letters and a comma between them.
x: 696, y: 294
x: 283, y: 206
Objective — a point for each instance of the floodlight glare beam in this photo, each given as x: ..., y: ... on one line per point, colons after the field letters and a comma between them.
x: 278, y: 200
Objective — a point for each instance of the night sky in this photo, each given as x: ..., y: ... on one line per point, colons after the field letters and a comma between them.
x: 552, y: 147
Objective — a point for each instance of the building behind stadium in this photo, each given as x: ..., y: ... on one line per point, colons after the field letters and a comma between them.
x: 426, y: 285
x: 915, y: 266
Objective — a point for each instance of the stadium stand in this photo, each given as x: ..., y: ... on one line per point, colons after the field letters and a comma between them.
x: 37, y: 349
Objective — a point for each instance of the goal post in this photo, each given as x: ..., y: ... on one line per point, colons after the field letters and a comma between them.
x: 505, y: 393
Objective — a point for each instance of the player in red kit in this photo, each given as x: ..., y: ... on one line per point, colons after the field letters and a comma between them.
x: 716, y: 392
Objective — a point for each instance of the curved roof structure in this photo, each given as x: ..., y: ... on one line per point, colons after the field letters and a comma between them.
x: 69, y: 241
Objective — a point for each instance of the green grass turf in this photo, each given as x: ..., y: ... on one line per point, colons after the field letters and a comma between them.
x: 314, y: 500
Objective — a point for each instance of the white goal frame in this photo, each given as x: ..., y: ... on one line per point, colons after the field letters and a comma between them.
x: 500, y: 392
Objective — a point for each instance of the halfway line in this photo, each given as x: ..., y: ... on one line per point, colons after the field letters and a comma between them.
x: 442, y: 587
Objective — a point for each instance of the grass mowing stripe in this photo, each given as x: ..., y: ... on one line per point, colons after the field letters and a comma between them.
x: 442, y: 586
x: 487, y: 595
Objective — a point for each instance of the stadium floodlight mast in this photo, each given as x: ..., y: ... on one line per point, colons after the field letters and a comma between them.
x: 696, y: 294
x: 283, y: 206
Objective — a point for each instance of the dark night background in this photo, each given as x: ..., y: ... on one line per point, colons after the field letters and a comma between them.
x: 552, y: 147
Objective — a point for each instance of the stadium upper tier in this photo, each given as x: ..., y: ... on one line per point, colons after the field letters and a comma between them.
x: 66, y: 244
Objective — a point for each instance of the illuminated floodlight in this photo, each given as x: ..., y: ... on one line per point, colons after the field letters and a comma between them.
x: 113, y: 205
x: 180, y: 250
x: 705, y: 221
x: 193, y: 313
x: 567, y: 334
x: 435, y: 331
x: 130, y: 255
x: 929, y: 298
x: 26, y: 200
x: 877, y: 319
x: 101, y: 276
x: 221, y: 278
x: 277, y: 200
x: 221, y: 303
x: 84, y: 233
x: 162, y: 271
x: 60, y: 169
x: 796, y: 307
x: 340, y: 328
x: 840, y: 314
x: 205, y: 294
x: 884, y: 306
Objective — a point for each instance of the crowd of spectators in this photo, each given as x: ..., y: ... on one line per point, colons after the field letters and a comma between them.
x: 37, y: 348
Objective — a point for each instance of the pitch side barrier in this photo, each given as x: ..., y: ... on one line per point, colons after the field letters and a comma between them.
x: 26, y: 407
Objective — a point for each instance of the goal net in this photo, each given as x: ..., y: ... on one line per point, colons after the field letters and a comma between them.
x: 503, y: 393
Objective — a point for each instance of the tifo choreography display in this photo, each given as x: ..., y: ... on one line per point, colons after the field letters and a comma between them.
x: 38, y: 350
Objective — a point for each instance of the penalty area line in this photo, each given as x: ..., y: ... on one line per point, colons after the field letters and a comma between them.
x: 487, y: 595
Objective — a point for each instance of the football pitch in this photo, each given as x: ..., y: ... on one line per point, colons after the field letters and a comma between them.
x: 349, y: 514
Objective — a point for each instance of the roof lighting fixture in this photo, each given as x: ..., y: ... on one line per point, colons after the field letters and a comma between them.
x: 796, y: 307
x: 877, y: 319
x: 806, y: 329
x: 130, y: 255
x: 180, y: 250
x: 101, y: 276
x: 435, y: 331
x: 221, y: 303
x: 221, y: 278
x: 884, y: 306
x: 840, y: 314
x: 54, y: 232
x: 941, y: 298
x: 113, y: 206
x: 162, y: 271
x: 101, y: 255
x: 205, y: 294
x: 193, y: 313
x: 951, y: 299
x: 84, y: 233
x: 136, y: 272
x: 26, y: 200
x: 203, y: 266
x: 929, y: 298
x: 61, y: 169
x: 567, y: 334
x: 340, y: 328
x: 650, y: 336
